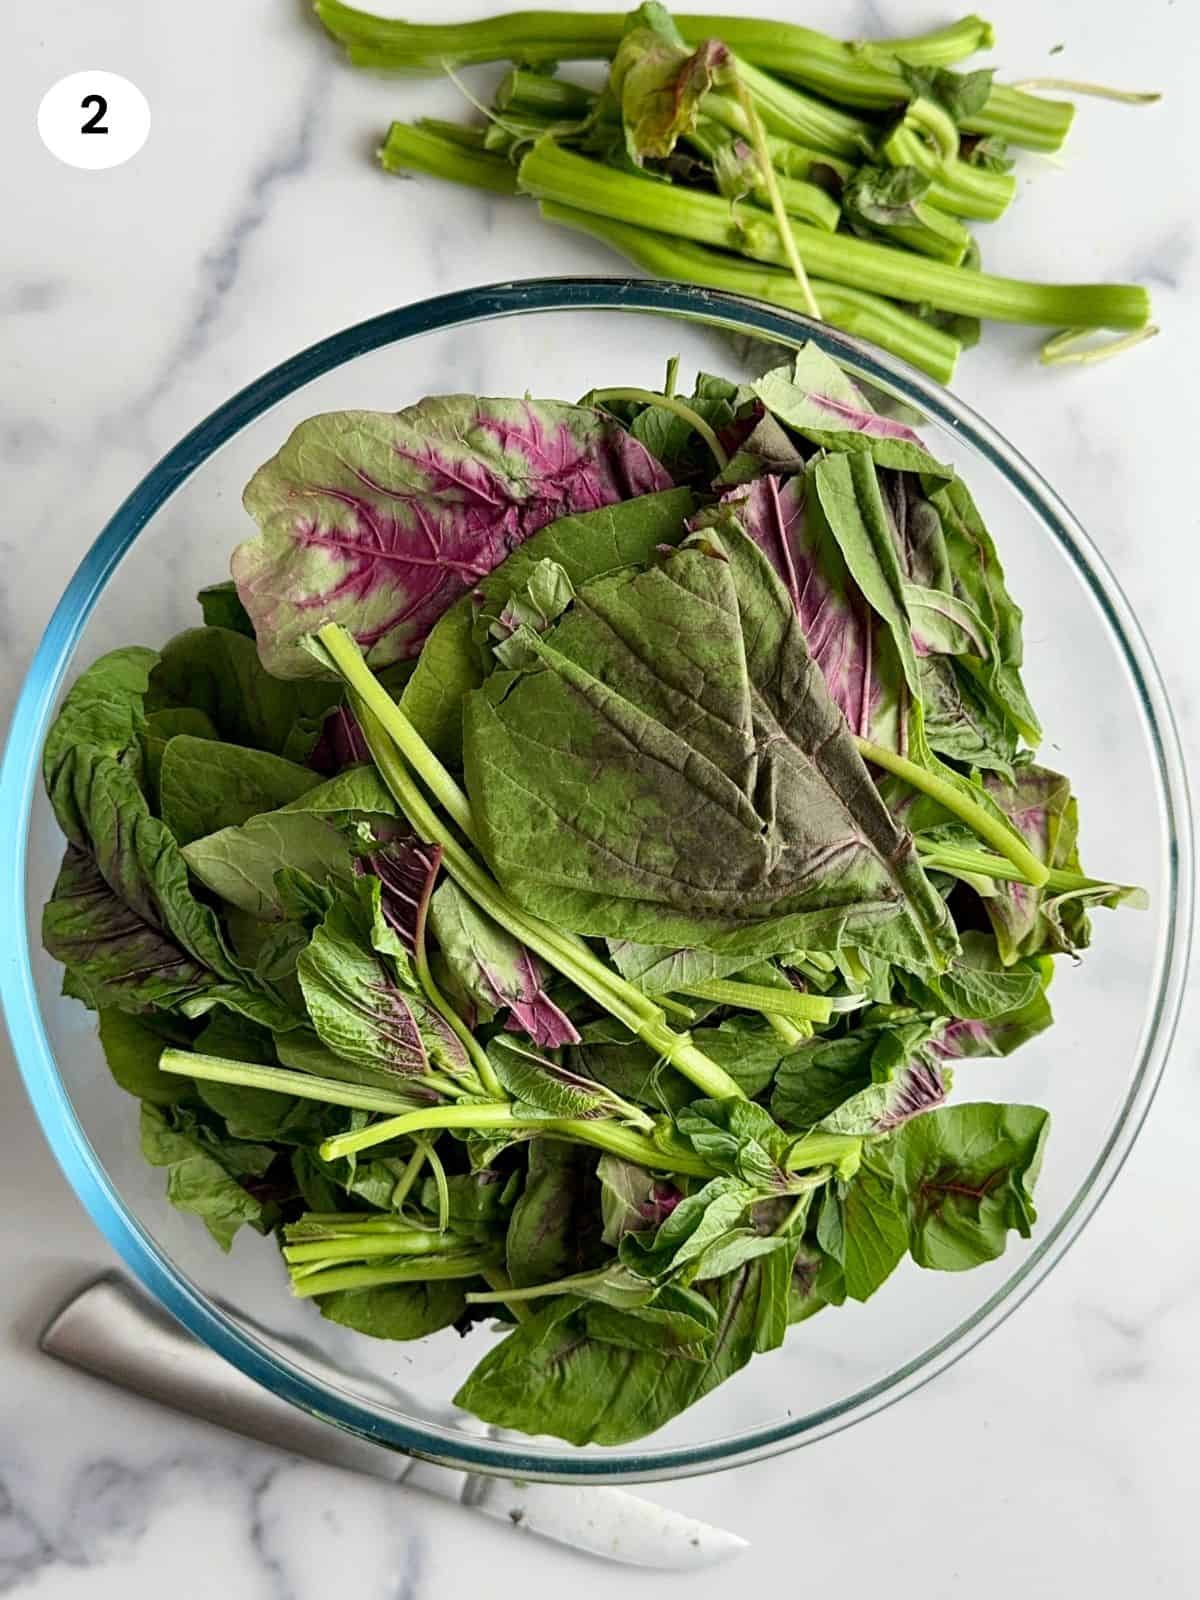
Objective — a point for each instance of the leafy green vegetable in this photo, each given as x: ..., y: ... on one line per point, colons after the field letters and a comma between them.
x: 554, y: 1229
x: 218, y: 671
x: 593, y: 808
x: 387, y: 518
x: 206, y: 785
x: 495, y: 971
x: 207, y: 1176
x: 435, y: 1036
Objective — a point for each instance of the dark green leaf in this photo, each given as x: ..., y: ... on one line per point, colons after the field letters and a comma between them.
x: 199, y: 1179
x: 398, y: 1310
x: 554, y: 1230
x: 968, y: 1174
x: 221, y: 608
x: 205, y: 785
x: 218, y: 671
x: 132, y: 1046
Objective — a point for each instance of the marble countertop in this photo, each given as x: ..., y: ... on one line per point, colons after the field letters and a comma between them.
x: 1062, y: 1456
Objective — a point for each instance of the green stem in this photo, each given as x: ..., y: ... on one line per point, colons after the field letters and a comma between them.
x: 865, y: 315
x: 770, y: 182
x: 484, y: 1070
x: 671, y: 403
x: 1063, y: 349
x: 956, y: 187
x: 566, y: 953
x: 538, y: 38
x: 344, y: 1225
x: 788, y: 1003
x: 410, y: 149
x: 610, y: 1136
x: 789, y: 1032
x: 281, y: 1080
x: 416, y: 1242
x: 552, y: 173
x: 1096, y: 91
x: 442, y: 1188
x: 787, y: 113
x: 343, y: 651
x: 958, y: 858
x: 989, y: 828
x: 1024, y: 119
x: 471, y: 1264
x: 535, y: 93
x: 411, y: 1173
x: 542, y: 1291
x: 502, y: 1289
x: 937, y: 125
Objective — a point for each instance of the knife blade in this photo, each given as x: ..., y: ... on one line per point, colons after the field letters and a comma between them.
x: 115, y: 1333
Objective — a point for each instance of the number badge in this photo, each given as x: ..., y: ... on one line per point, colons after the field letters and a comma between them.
x: 94, y: 120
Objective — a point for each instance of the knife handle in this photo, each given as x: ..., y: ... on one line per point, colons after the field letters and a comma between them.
x: 116, y: 1334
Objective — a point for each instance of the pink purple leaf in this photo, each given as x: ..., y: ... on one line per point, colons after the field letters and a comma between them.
x: 381, y: 520
x: 818, y: 401
x: 497, y: 971
x: 845, y: 637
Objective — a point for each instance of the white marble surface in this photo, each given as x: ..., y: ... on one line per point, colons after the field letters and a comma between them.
x: 1062, y: 1457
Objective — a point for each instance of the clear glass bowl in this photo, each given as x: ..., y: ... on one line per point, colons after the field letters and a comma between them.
x: 1108, y: 725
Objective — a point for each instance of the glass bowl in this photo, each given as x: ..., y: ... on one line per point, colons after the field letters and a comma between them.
x: 1108, y: 726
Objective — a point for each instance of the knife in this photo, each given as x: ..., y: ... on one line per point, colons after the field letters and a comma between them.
x: 115, y: 1333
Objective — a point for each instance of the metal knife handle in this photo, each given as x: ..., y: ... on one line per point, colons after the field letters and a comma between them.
x: 115, y: 1334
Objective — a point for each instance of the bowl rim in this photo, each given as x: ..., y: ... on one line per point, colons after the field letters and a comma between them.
x: 18, y: 775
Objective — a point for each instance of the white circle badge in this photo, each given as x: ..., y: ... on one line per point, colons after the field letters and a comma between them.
x: 94, y: 120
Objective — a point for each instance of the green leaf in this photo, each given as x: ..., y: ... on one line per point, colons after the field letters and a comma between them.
x: 675, y: 774
x: 199, y: 1179
x: 221, y: 608
x: 554, y: 1230
x: 113, y: 956
x: 549, y: 1088
x: 541, y: 600
x: 820, y: 1075
x: 978, y: 986
x: 362, y: 1007
x: 659, y: 84
x: 864, y: 1227
x: 309, y: 836
x: 495, y: 970
x: 962, y: 95
x: 206, y: 785
x: 748, y: 1048
x: 821, y: 403
x: 158, y: 729
x: 697, y: 1221
x: 610, y: 1055
x: 736, y: 1137
x: 217, y: 671
x: 448, y: 668
x: 550, y: 1376
x: 479, y: 1201
x: 132, y: 1046
x: 398, y: 1310
x: 258, y: 1113
x: 968, y: 1174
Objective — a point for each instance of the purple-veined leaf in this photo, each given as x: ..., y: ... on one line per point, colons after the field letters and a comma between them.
x: 496, y: 970
x: 817, y: 400
x: 916, y: 1086
x: 381, y: 520
x: 407, y: 870
x: 340, y: 745
x: 658, y: 82
x: 845, y: 637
